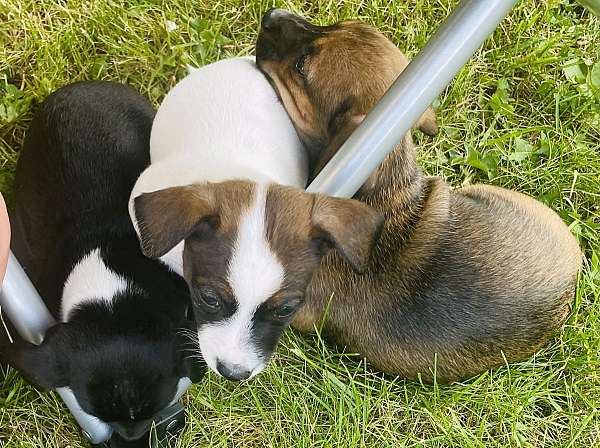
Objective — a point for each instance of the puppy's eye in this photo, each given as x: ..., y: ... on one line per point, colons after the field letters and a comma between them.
x: 288, y: 308
x: 284, y: 311
x: 210, y: 299
x: 300, y: 65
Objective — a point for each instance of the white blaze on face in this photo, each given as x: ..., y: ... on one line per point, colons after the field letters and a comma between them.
x: 254, y: 275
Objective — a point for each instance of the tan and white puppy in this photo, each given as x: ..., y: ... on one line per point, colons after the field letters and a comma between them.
x: 223, y: 204
x: 460, y: 281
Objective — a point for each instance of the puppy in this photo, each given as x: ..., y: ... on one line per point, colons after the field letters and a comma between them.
x: 459, y: 279
x: 118, y: 345
x: 227, y: 178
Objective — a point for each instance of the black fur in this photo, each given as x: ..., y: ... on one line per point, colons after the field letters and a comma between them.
x: 83, y: 152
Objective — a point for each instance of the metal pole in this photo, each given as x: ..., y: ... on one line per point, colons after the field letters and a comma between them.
x: 426, y: 76
x: 26, y: 311
x: 22, y: 304
x: 592, y: 5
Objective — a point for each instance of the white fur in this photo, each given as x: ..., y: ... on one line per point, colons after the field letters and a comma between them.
x: 90, y: 281
x: 224, y: 122
x: 182, y: 385
x: 174, y: 259
x: 254, y: 274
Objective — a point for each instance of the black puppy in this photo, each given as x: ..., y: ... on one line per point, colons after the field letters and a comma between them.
x: 120, y: 345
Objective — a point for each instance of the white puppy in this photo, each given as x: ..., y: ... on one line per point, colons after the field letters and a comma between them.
x: 223, y: 204
x: 221, y: 122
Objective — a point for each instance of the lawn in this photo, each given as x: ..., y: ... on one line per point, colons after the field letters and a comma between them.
x: 523, y: 114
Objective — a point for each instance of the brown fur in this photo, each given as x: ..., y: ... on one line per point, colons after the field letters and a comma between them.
x: 323, y: 121
x: 168, y: 216
x: 300, y: 228
x: 295, y: 218
x: 458, y: 279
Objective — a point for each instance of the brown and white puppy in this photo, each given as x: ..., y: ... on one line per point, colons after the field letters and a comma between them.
x: 458, y: 278
x: 226, y: 176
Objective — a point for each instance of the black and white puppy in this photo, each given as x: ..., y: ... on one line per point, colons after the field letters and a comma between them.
x: 119, y: 345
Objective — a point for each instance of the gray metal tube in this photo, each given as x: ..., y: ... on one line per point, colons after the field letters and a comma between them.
x: 26, y: 311
x: 415, y: 89
x: 592, y: 5
x: 22, y: 304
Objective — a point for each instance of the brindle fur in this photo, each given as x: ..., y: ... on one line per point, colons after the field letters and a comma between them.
x: 460, y: 280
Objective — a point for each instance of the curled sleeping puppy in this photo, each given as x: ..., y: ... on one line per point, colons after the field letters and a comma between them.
x: 223, y: 203
x: 118, y: 344
x: 458, y: 277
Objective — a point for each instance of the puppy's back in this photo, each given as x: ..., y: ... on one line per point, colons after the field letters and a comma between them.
x: 78, y: 163
x: 227, y: 111
x: 96, y: 156
x: 531, y: 231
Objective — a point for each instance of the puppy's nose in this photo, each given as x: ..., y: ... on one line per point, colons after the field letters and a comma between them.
x: 233, y: 372
x: 131, y: 434
x: 270, y: 20
x: 134, y: 434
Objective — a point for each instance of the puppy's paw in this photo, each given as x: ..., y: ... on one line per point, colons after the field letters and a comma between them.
x: 428, y: 123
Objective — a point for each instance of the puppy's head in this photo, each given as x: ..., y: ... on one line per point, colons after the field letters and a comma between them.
x: 328, y: 77
x: 123, y: 379
x: 250, y: 251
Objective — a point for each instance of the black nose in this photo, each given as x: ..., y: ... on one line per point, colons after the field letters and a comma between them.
x: 267, y: 21
x: 233, y: 372
x: 129, y: 435
x: 130, y: 430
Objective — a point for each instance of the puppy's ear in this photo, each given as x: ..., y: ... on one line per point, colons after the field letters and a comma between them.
x: 351, y: 122
x: 168, y: 216
x: 45, y: 365
x: 345, y: 125
x: 427, y: 123
x: 350, y: 226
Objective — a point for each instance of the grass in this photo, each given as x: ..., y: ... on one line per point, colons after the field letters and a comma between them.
x: 524, y: 114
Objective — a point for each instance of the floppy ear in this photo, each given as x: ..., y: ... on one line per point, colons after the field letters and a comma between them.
x: 350, y: 226
x: 426, y: 123
x: 345, y: 125
x: 44, y: 365
x: 350, y: 123
x: 168, y: 216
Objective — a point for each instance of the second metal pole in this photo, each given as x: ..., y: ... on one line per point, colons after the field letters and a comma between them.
x: 28, y: 314
x: 426, y: 76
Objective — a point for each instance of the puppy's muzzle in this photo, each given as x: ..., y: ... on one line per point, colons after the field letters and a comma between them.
x: 132, y: 431
x: 233, y: 372
x: 274, y: 19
